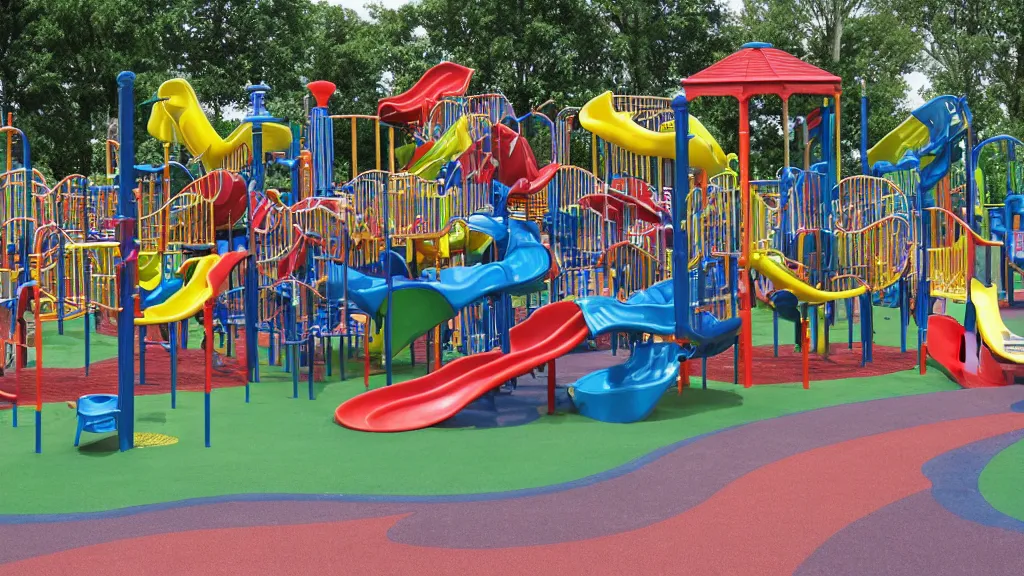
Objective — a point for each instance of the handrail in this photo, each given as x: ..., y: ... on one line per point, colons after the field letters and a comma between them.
x: 975, y: 237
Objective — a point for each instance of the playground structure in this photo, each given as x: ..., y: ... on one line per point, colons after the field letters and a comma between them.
x: 447, y: 235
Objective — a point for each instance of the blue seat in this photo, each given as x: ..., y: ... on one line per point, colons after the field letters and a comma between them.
x: 97, y: 413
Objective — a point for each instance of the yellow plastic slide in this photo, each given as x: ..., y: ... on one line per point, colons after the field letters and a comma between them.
x: 783, y: 279
x: 1000, y: 341
x: 599, y: 117
x: 448, y: 147
x: 911, y: 134
x: 180, y: 118
x: 184, y: 303
x: 149, y: 270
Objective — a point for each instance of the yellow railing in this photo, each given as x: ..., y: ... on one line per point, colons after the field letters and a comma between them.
x: 626, y: 269
x: 187, y: 218
x: 495, y: 107
x: 950, y: 254
x: 877, y: 255
x: 272, y: 240
x: 365, y: 194
x: 417, y: 208
x: 863, y: 200
x: 103, y: 272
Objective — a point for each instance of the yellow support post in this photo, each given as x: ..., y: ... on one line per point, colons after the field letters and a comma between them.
x: 355, y: 150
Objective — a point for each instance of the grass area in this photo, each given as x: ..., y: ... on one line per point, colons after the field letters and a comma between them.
x: 279, y: 445
x: 68, y: 350
x: 1001, y: 481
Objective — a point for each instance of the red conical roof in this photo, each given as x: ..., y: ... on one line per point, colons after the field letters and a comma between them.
x: 757, y: 68
x: 322, y: 91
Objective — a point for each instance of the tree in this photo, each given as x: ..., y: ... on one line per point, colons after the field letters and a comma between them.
x: 15, y: 54
x: 874, y: 44
x: 655, y: 43
x: 528, y: 50
x: 971, y: 49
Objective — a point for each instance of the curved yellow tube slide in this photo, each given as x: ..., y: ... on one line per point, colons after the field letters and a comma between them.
x: 783, y: 279
x: 180, y: 118
x: 599, y: 116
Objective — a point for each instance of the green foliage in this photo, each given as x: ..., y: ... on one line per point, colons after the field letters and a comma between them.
x: 59, y: 60
x: 974, y: 48
x: 875, y: 45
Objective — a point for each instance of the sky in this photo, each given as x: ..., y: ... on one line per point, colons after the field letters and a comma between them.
x: 916, y: 80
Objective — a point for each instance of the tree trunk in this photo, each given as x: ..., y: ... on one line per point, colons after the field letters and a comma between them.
x: 837, y: 34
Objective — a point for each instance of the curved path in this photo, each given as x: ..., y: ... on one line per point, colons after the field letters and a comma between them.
x: 770, y: 497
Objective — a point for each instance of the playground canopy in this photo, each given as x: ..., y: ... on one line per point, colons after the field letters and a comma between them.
x: 757, y: 68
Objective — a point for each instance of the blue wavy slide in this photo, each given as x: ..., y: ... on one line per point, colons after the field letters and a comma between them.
x: 629, y: 392
x: 417, y: 305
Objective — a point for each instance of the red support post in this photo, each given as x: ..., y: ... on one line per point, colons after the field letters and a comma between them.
x: 746, y: 336
x: 39, y: 352
x: 208, y: 331
x: 551, y: 387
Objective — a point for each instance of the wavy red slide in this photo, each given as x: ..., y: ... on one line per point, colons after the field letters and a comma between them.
x: 445, y: 79
x: 548, y: 333
x: 946, y: 346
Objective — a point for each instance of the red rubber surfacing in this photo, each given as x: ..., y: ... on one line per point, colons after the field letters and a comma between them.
x: 63, y: 384
x: 841, y: 363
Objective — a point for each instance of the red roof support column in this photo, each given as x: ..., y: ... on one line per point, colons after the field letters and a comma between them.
x: 746, y: 338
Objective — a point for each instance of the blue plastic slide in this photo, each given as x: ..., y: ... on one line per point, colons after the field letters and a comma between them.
x: 164, y: 290
x: 419, y: 305
x: 651, y: 312
x: 630, y: 391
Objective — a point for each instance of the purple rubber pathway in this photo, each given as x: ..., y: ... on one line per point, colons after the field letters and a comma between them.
x: 635, y: 496
x: 918, y: 536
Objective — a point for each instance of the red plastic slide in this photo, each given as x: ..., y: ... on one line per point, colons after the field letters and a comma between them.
x: 445, y: 79
x: 229, y: 195
x: 548, y: 333
x: 947, y: 347
x: 517, y: 166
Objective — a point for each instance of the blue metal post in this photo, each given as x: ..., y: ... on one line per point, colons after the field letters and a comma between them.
x: 680, y: 192
x: 142, y: 354
x: 310, y: 363
x: 389, y: 282
x: 28, y: 232
x: 865, y: 169
x: 970, y: 317
x: 972, y: 185
x: 904, y: 294
x: 321, y: 145
x: 173, y: 337
x: 61, y: 295
x: 126, y: 234
x: 257, y: 118
x: 85, y: 275
x: 775, y: 333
